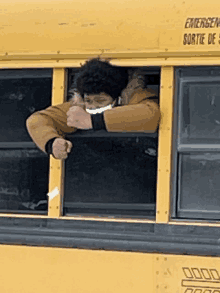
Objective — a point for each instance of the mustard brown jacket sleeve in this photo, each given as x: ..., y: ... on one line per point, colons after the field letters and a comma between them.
x: 141, y: 114
x: 49, y: 123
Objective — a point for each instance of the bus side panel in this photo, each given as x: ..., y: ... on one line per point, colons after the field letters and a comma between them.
x: 55, y: 270
x: 41, y: 269
x: 82, y: 27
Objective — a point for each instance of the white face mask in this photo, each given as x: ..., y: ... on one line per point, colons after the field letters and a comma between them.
x: 99, y: 110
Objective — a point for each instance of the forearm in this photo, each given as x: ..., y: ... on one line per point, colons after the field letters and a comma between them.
x: 41, y: 129
x: 140, y: 117
x: 49, y: 123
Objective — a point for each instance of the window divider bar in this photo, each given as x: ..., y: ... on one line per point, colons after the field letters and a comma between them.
x: 56, y: 173
x: 199, y: 147
x: 15, y: 145
x: 103, y: 133
x: 165, y: 145
x: 119, y: 206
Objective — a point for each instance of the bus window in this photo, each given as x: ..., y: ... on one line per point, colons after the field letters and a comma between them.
x: 198, y: 152
x: 112, y: 174
x: 24, y: 169
x: 200, y: 104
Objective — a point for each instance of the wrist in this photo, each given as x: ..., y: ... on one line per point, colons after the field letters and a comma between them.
x: 49, y: 146
x: 98, y: 122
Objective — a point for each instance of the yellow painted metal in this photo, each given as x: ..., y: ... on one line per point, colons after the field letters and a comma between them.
x: 51, y: 29
x: 165, y: 145
x: 55, y: 270
x: 68, y: 63
x: 187, y: 274
x: 56, y: 174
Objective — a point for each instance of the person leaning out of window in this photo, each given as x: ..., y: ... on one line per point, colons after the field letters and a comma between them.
x: 102, y: 96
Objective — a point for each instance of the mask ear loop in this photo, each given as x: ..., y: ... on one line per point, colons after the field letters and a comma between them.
x: 115, y: 102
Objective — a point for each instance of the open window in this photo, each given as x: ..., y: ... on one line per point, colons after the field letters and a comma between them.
x: 112, y: 174
x: 24, y: 168
x: 197, y: 156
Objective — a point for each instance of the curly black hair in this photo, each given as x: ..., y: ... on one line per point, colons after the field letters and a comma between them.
x: 97, y: 76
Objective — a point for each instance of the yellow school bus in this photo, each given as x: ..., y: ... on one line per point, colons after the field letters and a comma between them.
x: 99, y: 221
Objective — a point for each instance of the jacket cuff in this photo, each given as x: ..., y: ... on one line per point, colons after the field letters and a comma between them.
x: 98, y: 122
x: 48, y: 146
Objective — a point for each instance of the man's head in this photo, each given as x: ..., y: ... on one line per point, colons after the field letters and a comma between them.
x: 99, y: 83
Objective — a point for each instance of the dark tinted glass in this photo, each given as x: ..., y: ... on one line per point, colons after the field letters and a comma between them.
x: 19, y: 98
x: 201, y: 112
x: 111, y: 170
x: 199, y: 183
x: 199, y: 109
x: 23, y: 172
x: 23, y: 180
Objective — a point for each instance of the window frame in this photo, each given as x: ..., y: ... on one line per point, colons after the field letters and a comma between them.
x: 35, y: 73
x: 180, y: 148
x: 114, y: 211
x: 165, y: 136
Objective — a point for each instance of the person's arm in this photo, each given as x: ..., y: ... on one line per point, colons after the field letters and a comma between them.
x: 141, y: 117
x: 48, y: 124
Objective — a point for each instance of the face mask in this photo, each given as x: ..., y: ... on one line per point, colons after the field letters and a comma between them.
x: 99, y: 110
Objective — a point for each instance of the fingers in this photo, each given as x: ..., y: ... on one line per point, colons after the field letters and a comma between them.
x: 69, y: 146
x: 74, y: 109
x: 74, y: 115
x: 61, y: 148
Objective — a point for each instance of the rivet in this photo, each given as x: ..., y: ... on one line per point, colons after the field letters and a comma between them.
x: 165, y: 258
x: 61, y: 87
x: 157, y: 258
x: 57, y: 60
x: 157, y: 273
x: 6, y: 53
x: 157, y: 286
x: 166, y: 212
x: 58, y: 52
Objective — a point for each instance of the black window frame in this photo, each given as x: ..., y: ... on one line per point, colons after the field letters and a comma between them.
x: 7, y: 74
x: 179, y: 148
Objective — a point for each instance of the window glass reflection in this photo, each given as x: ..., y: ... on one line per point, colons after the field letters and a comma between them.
x: 19, y: 99
x: 201, y: 113
x: 111, y: 170
x: 23, y: 180
x: 199, y: 183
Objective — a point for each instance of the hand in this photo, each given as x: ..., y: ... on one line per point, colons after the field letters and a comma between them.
x: 61, y: 148
x: 78, y: 118
x: 77, y: 100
